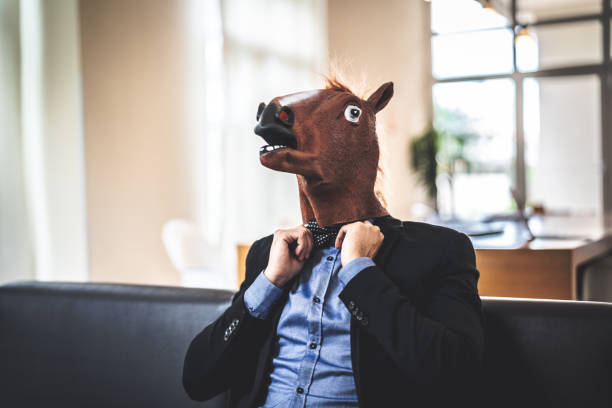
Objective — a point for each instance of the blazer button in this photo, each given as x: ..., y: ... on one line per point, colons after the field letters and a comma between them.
x: 351, y: 305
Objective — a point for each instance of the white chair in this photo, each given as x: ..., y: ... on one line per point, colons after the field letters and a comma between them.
x: 197, y: 260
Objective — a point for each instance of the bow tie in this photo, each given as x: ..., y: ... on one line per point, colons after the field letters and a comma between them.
x: 323, y: 237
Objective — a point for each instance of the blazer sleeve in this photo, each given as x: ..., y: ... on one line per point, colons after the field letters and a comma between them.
x: 227, y: 349
x: 443, y: 340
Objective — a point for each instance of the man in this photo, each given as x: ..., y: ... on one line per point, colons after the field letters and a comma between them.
x: 354, y: 307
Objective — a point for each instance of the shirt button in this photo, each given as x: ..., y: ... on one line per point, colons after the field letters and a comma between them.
x: 316, y: 299
x: 300, y: 390
x: 313, y: 346
x: 330, y: 258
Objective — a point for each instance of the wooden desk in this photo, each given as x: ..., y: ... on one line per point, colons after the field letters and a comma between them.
x: 545, y: 267
x: 241, y: 253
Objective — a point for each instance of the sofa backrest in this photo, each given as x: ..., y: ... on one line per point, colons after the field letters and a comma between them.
x: 100, y: 345
x: 547, y: 353
x: 104, y: 345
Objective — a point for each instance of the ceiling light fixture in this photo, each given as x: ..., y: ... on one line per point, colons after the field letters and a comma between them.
x: 486, y: 5
x: 523, y: 32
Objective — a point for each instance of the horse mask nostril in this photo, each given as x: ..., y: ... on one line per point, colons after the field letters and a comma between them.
x: 274, y: 125
x: 260, y: 110
x: 285, y: 116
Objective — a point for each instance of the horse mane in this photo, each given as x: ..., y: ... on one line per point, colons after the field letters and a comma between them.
x: 335, y: 84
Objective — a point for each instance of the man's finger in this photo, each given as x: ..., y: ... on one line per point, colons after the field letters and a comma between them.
x: 340, y: 236
x: 291, y: 237
x: 302, y: 239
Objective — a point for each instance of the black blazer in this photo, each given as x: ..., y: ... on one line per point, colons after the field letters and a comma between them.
x: 416, y: 330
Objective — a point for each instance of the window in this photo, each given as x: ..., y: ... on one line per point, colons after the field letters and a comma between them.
x: 477, y: 149
x: 521, y: 90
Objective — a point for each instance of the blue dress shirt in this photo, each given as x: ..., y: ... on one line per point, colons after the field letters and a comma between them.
x: 312, y: 366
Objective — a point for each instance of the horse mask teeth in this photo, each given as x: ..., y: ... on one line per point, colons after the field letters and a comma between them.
x: 334, y: 154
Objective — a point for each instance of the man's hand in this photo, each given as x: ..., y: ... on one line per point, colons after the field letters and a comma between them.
x: 359, y: 239
x: 284, y: 262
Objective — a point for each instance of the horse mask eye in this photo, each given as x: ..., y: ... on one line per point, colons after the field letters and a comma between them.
x: 352, y: 113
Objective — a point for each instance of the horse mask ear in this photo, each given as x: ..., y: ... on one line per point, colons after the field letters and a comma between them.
x: 381, y: 97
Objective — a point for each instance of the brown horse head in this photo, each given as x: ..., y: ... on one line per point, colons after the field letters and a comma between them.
x: 327, y: 137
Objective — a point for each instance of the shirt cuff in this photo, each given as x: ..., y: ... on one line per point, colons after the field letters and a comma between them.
x: 261, y: 296
x: 351, y: 269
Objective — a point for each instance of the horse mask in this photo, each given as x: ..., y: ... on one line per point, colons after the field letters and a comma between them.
x: 327, y: 137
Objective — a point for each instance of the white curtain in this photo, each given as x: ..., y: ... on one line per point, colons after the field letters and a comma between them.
x: 42, y: 204
x: 270, y: 48
x: 16, y: 261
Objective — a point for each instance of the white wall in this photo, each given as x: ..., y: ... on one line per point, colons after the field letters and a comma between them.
x: 143, y: 132
x: 389, y: 41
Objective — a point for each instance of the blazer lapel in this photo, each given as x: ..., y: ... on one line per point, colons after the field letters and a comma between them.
x: 390, y: 227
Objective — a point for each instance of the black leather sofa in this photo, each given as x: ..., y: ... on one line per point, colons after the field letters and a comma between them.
x: 103, y: 345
